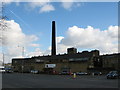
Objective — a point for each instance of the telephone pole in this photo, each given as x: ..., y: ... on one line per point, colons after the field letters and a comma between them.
x: 22, y: 65
x: 3, y: 27
x: 22, y: 50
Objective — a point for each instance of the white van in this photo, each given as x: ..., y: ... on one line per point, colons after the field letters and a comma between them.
x: 2, y: 69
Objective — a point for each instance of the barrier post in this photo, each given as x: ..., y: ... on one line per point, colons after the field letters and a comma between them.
x: 74, y: 75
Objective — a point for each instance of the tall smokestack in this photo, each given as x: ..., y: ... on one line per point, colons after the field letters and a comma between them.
x: 53, y: 39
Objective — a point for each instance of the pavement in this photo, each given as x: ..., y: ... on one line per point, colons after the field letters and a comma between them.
x: 24, y: 80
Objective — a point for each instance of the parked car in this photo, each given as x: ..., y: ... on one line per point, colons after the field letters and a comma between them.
x: 112, y: 75
x: 55, y: 72
x: 2, y: 70
x: 81, y: 73
x: 34, y: 71
x: 8, y: 70
x: 97, y: 73
x: 65, y: 73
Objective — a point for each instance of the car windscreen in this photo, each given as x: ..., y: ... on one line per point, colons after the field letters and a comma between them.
x: 113, y: 72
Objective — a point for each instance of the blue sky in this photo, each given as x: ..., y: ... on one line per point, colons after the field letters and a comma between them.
x: 98, y: 15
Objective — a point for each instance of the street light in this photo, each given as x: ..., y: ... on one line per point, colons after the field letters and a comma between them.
x: 3, y: 60
x: 23, y: 57
x: 22, y: 51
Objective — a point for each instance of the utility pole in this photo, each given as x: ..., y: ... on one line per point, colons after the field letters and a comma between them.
x: 22, y: 50
x: 22, y: 65
x: 3, y: 60
x: 3, y: 27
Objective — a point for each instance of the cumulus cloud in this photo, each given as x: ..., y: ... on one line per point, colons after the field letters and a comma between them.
x: 48, y: 51
x: 47, y: 8
x: 7, y: 1
x: 82, y: 38
x: 60, y: 48
x: 13, y: 37
x: 69, y: 4
x: 58, y: 39
x: 36, y: 4
x: 34, y: 45
x: 10, y: 1
x: 43, y: 6
x: 36, y: 52
x: 90, y: 38
x: 106, y: 41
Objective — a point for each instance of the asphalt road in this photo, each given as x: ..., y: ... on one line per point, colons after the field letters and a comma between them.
x: 19, y: 80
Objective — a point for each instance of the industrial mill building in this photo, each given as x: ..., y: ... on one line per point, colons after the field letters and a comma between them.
x: 72, y: 61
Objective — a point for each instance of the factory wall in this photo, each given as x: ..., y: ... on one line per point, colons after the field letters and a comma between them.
x: 74, y: 66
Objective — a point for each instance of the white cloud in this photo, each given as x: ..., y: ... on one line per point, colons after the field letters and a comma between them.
x: 36, y: 4
x: 47, y: 52
x: 89, y: 38
x: 60, y: 48
x: 43, y: 6
x: 34, y: 45
x: 10, y: 1
x: 37, y: 52
x: 14, y: 37
x: 47, y: 8
x: 58, y: 39
x: 83, y: 38
x: 68, y: 5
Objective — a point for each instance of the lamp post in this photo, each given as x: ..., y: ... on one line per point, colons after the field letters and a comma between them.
x: 22, y: 48
x: 23, y: 57
x: 3, y: 60
x: 22, y: 51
